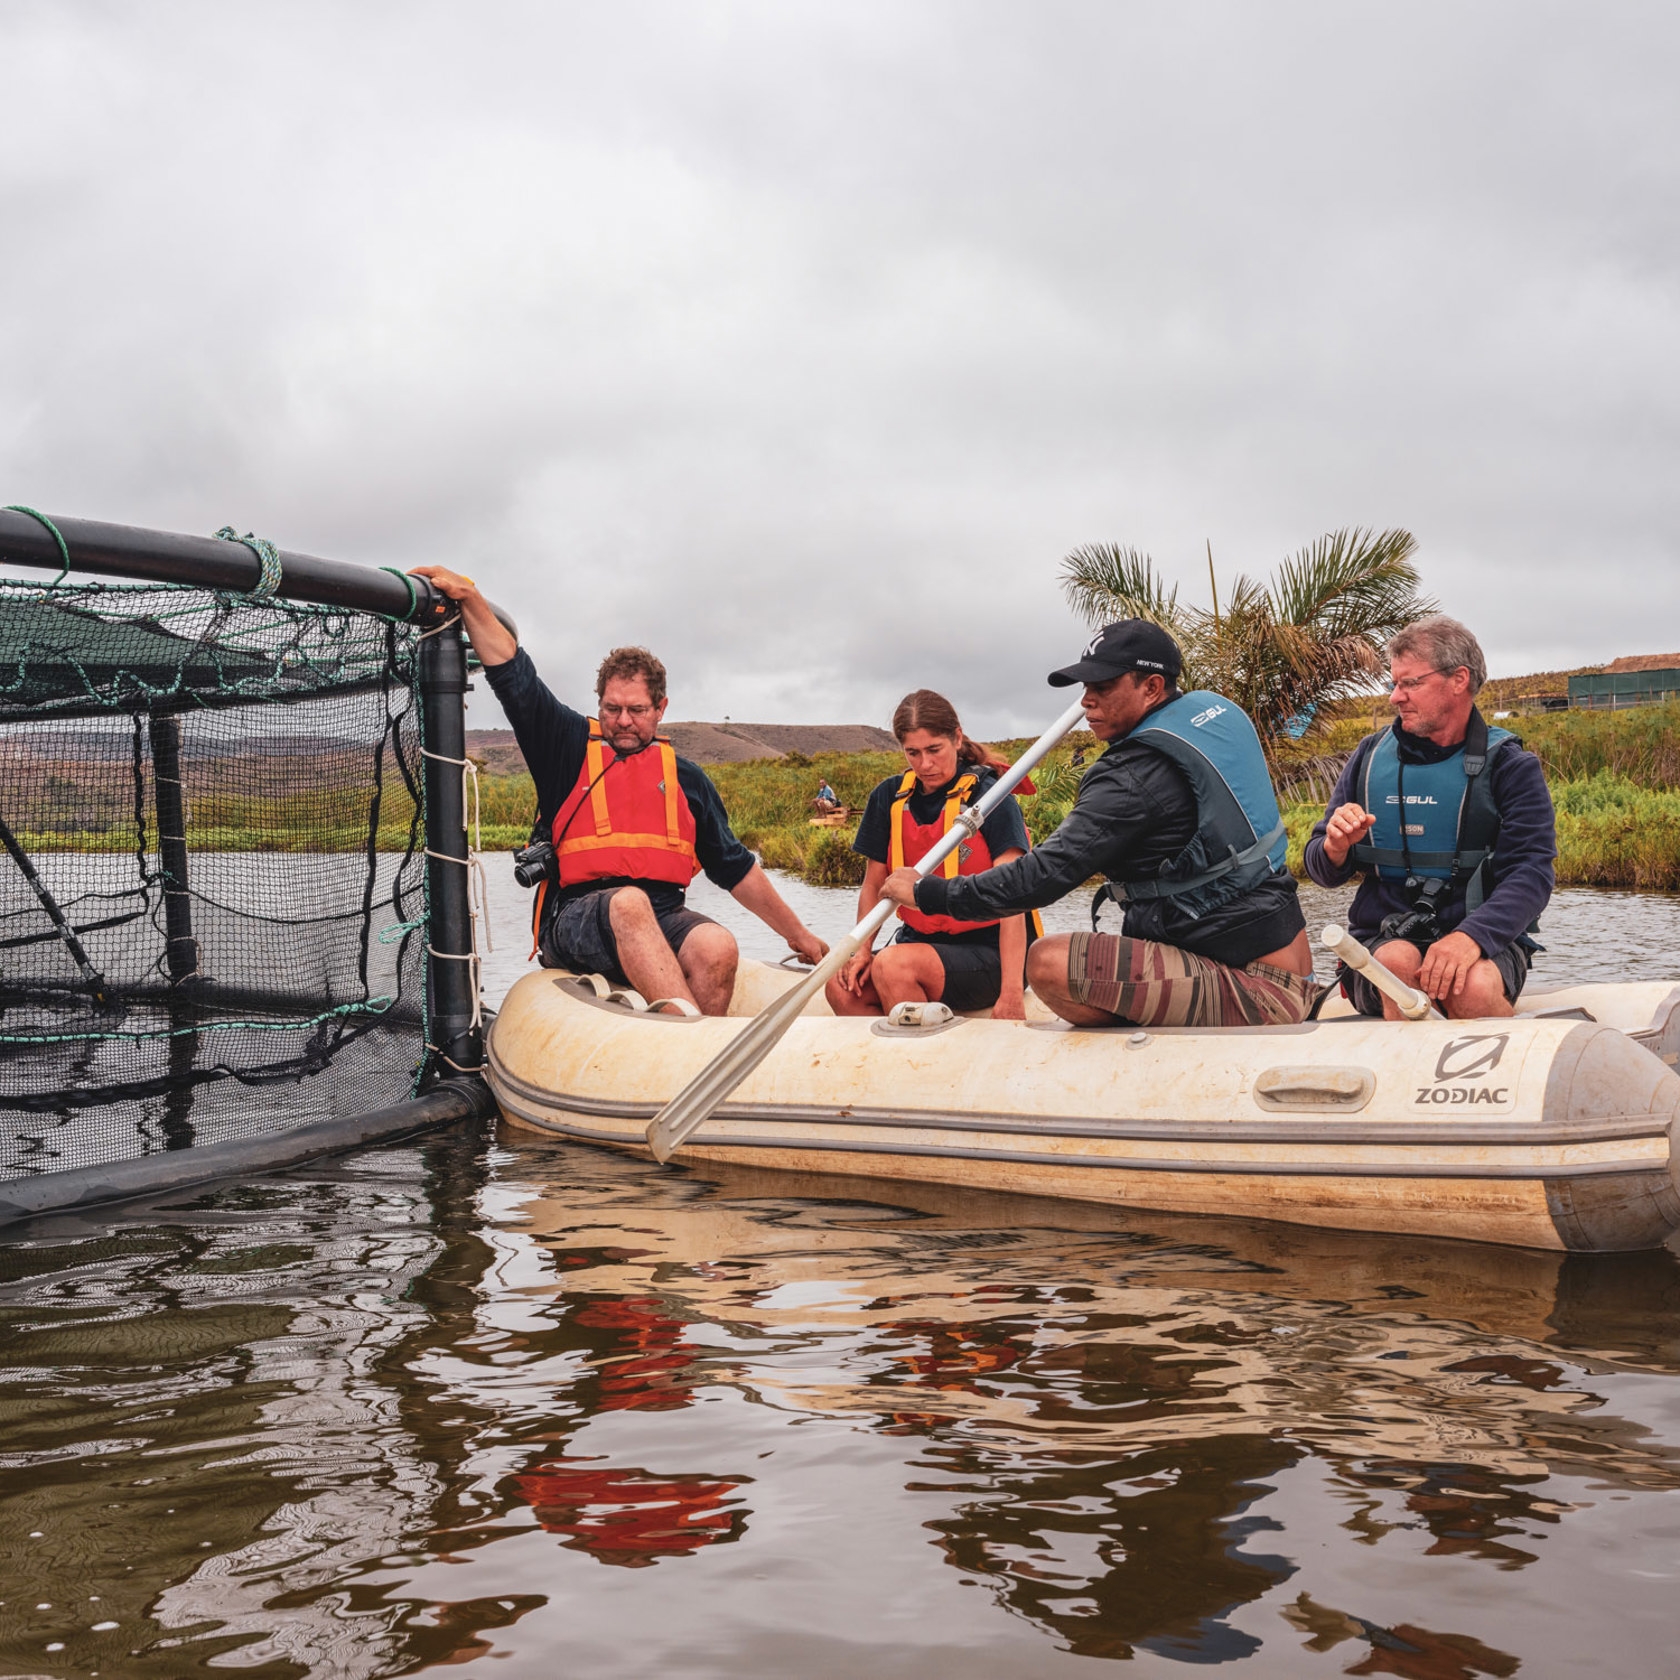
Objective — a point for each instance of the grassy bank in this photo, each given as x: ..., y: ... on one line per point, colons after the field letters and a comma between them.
x: 1615, y: 778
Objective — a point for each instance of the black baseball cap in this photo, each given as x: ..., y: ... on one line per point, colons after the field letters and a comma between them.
x: 1133, y: 644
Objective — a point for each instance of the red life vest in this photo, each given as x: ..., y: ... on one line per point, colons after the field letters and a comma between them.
x: 911, y: 841
x: 637, y: 826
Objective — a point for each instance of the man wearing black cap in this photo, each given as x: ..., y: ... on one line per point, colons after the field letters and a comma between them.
x: 1180, y: 816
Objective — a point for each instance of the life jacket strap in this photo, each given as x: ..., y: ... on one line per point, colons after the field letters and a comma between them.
x: 597, y: 766
x: 895, y: 843
x: 668, y: 775
x: 1391, y: 857
x: 1124, y: 892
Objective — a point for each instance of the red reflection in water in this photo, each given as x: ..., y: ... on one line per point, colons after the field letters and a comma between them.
x: 647, y: 1376
x: 628, y: 1517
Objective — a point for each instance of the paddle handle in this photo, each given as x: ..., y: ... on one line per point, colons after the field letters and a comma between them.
x: 1414, y: 1005
x: 694, y: 1104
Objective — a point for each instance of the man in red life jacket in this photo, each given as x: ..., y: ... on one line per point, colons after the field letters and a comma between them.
x: 632, y: 824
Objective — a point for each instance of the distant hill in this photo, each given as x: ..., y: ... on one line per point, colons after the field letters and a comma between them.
x: 711, y: 743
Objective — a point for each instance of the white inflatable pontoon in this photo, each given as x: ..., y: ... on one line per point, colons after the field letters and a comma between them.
x: 1549, y: 1130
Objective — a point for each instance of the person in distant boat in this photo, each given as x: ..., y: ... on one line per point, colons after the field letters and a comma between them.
x: 1179, y: 814
x: 631, y: 825
x: 827, y: 801
x: 971, y: 963
x: 1451, y: 826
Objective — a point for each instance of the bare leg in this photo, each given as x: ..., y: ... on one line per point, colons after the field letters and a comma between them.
x: 908, y: 974
x: 865, y: 1001
x: 648, y: 962
x: 1403, y: 960
x: 708, y: 958
x: 1047, y: 974
x: 1483, y: 995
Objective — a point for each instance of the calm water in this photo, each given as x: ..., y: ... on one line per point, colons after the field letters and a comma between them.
x: 515, y: 1407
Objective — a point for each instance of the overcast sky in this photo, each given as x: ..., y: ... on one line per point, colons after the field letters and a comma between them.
x: 802, y: 341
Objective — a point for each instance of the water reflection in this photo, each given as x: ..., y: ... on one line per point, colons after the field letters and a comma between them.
x: 1108, y: 1424
x: 1112, y: 1556
x: 451, y: 1408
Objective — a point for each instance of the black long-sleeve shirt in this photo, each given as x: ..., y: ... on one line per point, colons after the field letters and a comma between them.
x: 555, y: 742
x: 1134, y: 813
x: 1520, y: 877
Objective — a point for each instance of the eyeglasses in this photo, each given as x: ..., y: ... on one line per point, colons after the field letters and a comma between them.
x: 1407, y: 685
x: 627, y: 711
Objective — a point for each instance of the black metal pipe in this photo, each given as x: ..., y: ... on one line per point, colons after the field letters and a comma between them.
x: 452, y: 979
x: 212, y: 563
x: 61, y: 926
x: 169, y: 796
x: 82, y: 1187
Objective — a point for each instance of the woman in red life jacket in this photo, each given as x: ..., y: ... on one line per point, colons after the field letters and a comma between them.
x: 968, y: 965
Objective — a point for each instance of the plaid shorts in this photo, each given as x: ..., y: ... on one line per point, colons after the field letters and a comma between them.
x: 1149, y: 985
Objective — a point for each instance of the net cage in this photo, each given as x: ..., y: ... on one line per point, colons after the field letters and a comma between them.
x: 214, y: 883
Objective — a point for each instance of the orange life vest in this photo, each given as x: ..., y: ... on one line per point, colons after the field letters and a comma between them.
x: 911, y: 841
x: 637, y: 826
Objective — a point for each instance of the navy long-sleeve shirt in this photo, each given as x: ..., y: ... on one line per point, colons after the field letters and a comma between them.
x: 1520, y: 877
x: 555, y: 742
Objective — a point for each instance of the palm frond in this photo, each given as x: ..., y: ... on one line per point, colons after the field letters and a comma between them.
x: 1104, y: 582
x: 1282, y: 650
x: 1058, y: 779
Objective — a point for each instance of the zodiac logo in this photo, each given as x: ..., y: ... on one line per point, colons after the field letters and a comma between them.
x: 1470, y: 1058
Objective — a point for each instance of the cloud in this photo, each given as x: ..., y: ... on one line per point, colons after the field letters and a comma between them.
x: 802, y: 341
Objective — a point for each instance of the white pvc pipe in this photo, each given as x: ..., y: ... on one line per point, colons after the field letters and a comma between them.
x: 1414, y: 1005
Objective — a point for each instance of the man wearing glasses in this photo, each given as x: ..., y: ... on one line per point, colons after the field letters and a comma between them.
x: 1452, y: 826
x: 630, y: 823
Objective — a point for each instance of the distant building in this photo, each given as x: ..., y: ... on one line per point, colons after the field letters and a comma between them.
x: 1638, y: 681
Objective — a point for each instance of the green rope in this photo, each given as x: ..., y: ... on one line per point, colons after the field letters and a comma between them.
x: 374, y: 1007
x: 265, y: 551
x: 408, y: 584
x: 57, y: 537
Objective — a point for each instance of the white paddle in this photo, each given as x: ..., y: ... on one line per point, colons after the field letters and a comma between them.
x: 693, y: 1105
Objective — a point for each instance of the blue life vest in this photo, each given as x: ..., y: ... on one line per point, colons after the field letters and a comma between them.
x: 1240, y: 839
x: 1435, y: 822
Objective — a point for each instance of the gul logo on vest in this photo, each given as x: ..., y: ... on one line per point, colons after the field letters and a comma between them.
x: 1208, y: 716
x: 1460, y: 1071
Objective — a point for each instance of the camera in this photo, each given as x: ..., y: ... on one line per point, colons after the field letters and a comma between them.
x: 1418, y: 925
x: 534, y: 864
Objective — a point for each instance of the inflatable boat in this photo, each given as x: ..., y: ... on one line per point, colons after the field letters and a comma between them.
x: 1550, y: 1130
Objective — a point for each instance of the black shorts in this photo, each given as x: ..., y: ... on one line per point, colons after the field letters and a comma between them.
x: 973, y: 973
x: 580, y: 935
x: 1513, y: 965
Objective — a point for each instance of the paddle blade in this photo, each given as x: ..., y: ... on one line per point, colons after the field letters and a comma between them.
x: 694, y: 1104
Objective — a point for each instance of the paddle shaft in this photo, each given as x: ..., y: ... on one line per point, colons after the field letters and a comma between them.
x: 694, y: 1104
x: 1414, y: 1005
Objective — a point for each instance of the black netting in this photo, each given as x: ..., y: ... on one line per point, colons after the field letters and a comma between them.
x: 211, y: 870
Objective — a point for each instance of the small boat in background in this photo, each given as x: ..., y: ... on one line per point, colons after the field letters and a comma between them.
x: 1551, y: 1129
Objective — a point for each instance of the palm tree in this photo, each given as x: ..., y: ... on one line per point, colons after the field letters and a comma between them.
x: 1282, y: 650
